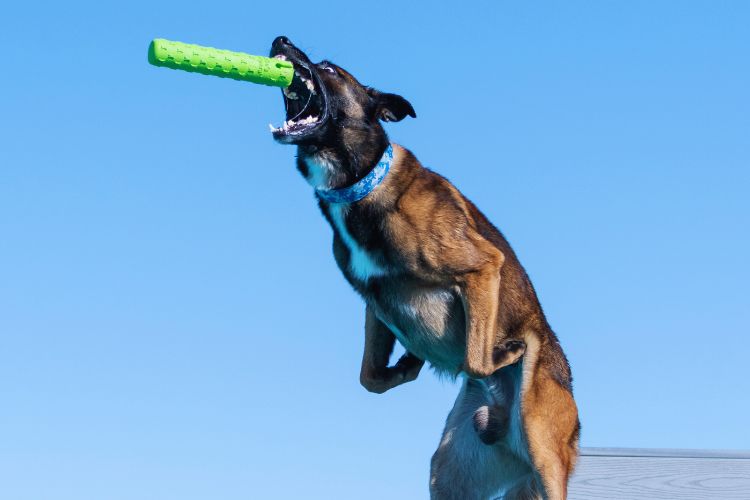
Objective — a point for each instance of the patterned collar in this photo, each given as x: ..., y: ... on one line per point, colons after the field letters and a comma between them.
x: 364, y: 186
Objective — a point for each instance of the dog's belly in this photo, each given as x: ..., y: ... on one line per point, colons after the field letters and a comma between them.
x: 427, y: 321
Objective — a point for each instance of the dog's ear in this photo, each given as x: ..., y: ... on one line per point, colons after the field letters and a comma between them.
x: 390, y: 107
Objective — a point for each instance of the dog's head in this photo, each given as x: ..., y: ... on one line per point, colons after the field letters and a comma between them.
x: 334, y: 119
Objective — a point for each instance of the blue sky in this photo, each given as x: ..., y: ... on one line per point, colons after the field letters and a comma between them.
x: 172, y: 323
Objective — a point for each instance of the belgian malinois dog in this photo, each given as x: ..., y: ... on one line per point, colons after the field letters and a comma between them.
x: 439, y: 277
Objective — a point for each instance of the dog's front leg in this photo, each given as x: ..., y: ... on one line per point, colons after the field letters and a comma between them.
x: 376, y: 376
x: 487, y: 348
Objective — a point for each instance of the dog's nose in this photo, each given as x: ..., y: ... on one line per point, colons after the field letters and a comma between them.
x: 280, y: 41
x: 280, y: 45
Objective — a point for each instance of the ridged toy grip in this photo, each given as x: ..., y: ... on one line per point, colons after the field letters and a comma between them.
x: 218, y: 62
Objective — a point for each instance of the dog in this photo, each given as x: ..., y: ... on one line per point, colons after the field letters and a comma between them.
x: 438, y: 277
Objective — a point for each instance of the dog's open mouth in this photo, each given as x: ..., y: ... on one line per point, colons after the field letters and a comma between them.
x: 304, y: 101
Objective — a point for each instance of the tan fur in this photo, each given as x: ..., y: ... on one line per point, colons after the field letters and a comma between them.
x: 551, y: 424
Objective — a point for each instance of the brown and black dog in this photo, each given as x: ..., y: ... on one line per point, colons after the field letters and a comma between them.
x: 439, y: 277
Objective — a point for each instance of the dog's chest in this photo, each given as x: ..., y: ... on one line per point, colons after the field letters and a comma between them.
x: 427, y: 320
x: 362, y: 264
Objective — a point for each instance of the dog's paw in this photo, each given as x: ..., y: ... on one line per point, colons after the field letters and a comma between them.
x: 409, y: 367
x: 405, y: 370
x: 508, y: 353
x: 378, y: 382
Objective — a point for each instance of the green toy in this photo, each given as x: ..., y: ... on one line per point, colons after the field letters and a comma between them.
x: 223, y: 63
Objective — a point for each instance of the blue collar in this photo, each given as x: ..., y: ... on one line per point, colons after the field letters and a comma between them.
x: 364, y: 186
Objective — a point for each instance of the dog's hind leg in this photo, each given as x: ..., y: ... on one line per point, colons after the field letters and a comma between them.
x: 463, y: 467
x: 552, y: 452
x: 526, y: 489
x: 550, y: 420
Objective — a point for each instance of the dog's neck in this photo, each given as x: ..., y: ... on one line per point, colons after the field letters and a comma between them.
x: 360, y: 189
x: 338, y: 167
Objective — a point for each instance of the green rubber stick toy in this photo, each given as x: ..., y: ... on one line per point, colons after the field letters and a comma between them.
x: 223, y: 63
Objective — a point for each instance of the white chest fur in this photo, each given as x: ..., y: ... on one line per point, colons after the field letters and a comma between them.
x: 318, y: 172
x: 361, y: 263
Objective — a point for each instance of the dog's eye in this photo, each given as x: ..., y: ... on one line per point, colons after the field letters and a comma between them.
x: 329, y: 69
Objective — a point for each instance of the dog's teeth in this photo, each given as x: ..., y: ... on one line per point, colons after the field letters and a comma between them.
x: 290, y: 95
x: 280, y: 56
x: 310, y: 85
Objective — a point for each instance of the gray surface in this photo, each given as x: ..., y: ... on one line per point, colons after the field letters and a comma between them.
x: 626, y: 474
x: 664, y: 453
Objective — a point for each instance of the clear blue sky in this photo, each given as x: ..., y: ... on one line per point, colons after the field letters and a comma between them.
x: 172, y: 323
